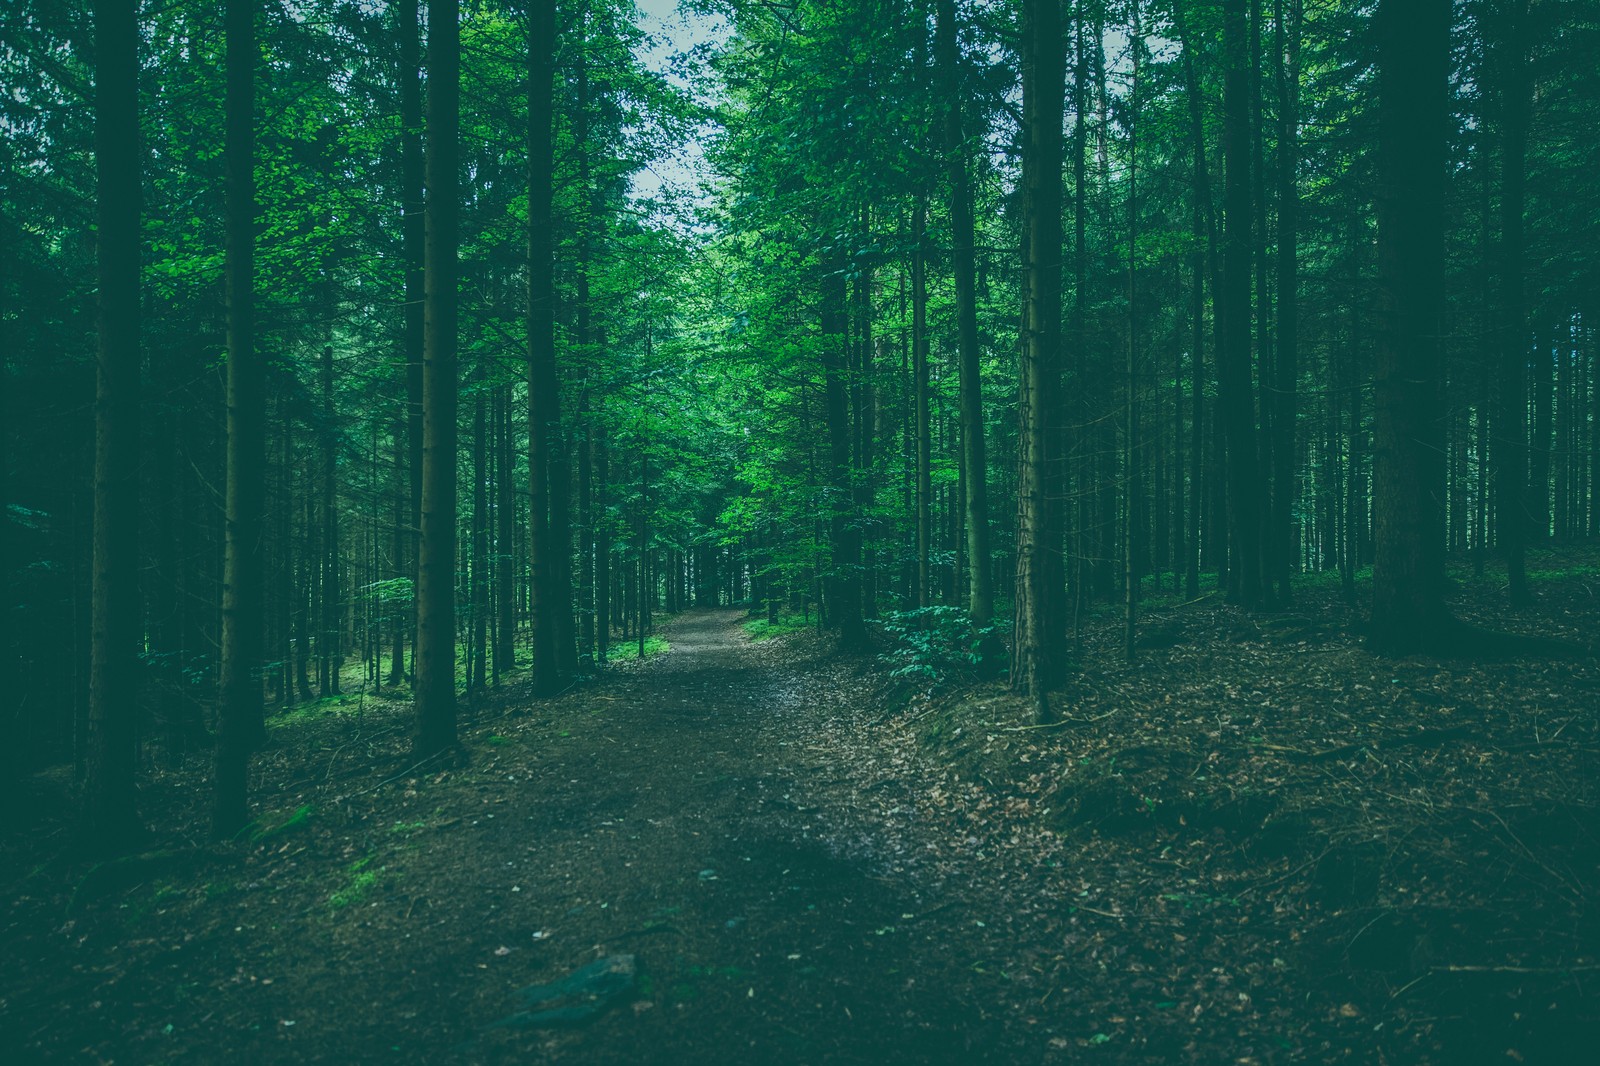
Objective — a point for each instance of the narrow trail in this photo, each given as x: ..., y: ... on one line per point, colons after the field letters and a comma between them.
x: 679, y: 824
x: 726, y: 813
x: 682, y: 817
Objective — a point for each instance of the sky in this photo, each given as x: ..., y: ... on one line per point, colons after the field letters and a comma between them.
x: 674, y: 33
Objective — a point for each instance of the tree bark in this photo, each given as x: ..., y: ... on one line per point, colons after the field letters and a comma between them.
x: 1131, y: 444
x: 109, y: 819
x: 1235, y: 406
x: 243, y: 608
x: 1044, y: 90
x: 1408, y: 612
x: 845, y: 525
x: 543, y: 403
x: 436, y: 630
x: 980, y: 592
x: 1512, y: 518
x: 413, y: 235
x: 919, y: 383
x: 478, y: 676
x: 1286, y: 53
x: 329, y: 643
x: 505, y: 657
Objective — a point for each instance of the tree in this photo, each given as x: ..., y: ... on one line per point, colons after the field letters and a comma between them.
x: 1286, y: 69
x: 436, y: 630
x: 1513, y: 515
x: 244, y: 543
x: 1235, y: 406
x: 109, y: 818
x: 1044, y: 91
x: 544, y: 405
x: 1408, y: 612
x: 413, y: 222
x: 980, y: 596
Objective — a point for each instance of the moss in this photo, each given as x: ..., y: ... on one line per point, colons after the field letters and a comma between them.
x: 362, y: 881
x: 296, y: 822
x: 630, y: 650
x: 762, y: 629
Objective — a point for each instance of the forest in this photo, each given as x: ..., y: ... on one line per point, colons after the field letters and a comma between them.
x: 795, y: 531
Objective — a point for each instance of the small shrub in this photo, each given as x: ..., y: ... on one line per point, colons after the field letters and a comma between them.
x: 940, y: 645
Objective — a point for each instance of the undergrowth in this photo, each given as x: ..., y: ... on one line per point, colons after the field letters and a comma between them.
x: 765, y: 629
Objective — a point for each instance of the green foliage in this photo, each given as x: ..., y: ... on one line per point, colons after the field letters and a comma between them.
x: 762, y: 629
x: 298, y: 821
x: 937, y: 644
x: 360, y: 881
x: 628, y: 651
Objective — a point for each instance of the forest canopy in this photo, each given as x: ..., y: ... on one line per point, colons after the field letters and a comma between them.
x: 409, y: 346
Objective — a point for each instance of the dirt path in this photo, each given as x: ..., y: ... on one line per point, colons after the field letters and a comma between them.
x: 684, y: 824
x: 690, y: 811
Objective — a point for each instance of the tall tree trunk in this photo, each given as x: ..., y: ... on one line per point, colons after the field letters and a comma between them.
x: 436, y: 630
x: 543, y: 403
x: 286, y: 556
x: 1235, y: 407
x: 1512, y: 520
x: 1130, y: 466
x: 919, y: 377
x: 980, y: 592
x: 602, y: 545
x: 1044, y: 90
x: 845, y: 530
x: 1545, y: 355
x: 1203, y: 263
x: 330, y: 645
x: 1082, y: 578
x: 505, y: 600
x: 109, y: 819
x: 480, y: 540
x: 399, y: 568
x: 1286, y: 53
x: 413, y: 235
x: 243, y: 608
x: 1408, y: 612
x: 1266, y: 365
x: 589, y: 213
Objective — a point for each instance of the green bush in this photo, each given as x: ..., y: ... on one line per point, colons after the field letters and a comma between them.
x: 941, y: 645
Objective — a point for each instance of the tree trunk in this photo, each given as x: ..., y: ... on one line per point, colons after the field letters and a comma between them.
x: 980, y: 592
x: 329, y: 644
x: 1408, y: 612
x: 543, y: 403
x: 399, y: 567
x: 436, y: 631
x: 1512, y: 520
x: 413, y: 234
x: 1286, y: 53
x: 1203, y: 262
x: 109, y: 820
x: 1235, y: 407
x: 845, y: 530
x: 505, y: 647
x: 243, y: 608
x: 602, y: 546
x: 478, y: 678
x: 919, y: 377
x: 1130, y: 465
x: 1044, y: 89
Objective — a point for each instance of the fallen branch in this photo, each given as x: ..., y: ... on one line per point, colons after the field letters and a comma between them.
x: 1587, y: 968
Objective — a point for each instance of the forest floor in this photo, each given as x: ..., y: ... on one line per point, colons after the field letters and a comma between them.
x: 1260, y: 845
